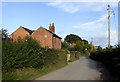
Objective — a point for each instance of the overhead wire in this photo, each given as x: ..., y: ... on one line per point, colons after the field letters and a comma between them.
x: 115, y: 26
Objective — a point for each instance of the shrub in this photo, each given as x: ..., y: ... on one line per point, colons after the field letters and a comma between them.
x: 74, y: 55
x: 64, y: 45
x: 79, y: 46
x: 27, y: 52
x: 110, y: 58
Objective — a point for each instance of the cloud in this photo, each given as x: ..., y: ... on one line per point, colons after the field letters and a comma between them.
x: 67, y: 7
x: 93, y: 25
x: 73, y: 7
x: 90, y: 28
x: 114, y: 37
x: 95, y: 29
x: 101, y: 38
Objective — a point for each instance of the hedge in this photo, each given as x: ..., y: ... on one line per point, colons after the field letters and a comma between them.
x: 74, y: 54
x: 27, y: 52
x: 110, y: 58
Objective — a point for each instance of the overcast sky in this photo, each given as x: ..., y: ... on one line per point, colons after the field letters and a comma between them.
x: 86, y: 19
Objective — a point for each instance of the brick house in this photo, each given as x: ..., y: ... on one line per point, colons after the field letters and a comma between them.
x: 47, y: 38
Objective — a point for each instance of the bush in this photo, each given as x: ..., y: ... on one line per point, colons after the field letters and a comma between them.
x: 64, y: 45
x: 27, y: 52
x: 110, y: 58
x: 79, y: 46
x: 74, y: 55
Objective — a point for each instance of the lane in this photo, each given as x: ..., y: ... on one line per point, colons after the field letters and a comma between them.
x: 83, y: 69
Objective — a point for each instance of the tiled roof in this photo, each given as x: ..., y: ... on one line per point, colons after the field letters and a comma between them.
x: 52, y: 33
x: 28, y: 30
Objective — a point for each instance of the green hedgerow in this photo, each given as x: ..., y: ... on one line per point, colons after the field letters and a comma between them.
x: 27, y: 52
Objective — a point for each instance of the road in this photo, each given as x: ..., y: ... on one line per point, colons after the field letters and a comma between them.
x: 82, y: 69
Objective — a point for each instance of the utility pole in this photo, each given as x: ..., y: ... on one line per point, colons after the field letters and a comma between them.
x: 108, y: 26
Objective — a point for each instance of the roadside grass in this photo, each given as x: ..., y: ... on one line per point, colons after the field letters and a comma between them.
x: 0, y: 75
x: 29, y: 73
x: 84, y: 54
x: 74, y: 59
x: 20, y: 74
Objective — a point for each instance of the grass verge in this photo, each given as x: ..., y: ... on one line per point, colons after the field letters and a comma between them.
x: 74, y: 59
x: 29, y: 73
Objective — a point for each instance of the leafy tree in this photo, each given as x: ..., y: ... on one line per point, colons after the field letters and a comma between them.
x: 85, y: 42
x: 99, y: 48
x: 65, y: 45
x: 79, y: 46
x: 4, y: 34
x: 90, y: 47
x: 72, y: 38
x: 111, y: 46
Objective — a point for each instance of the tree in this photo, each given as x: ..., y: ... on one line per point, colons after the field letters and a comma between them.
x: 99, y: 48
x: 65, y: 45
x: 90, y: 47
x: 72, y: 38
x: 4, y: 34
x: 79, y: 46
x: 85, y: 42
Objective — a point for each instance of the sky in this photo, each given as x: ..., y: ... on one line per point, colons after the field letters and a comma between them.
x: 85, y: 19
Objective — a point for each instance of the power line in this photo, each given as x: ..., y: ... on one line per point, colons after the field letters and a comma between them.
x: 114, y: 20
x: 115, y: 25
x: 92, y: 17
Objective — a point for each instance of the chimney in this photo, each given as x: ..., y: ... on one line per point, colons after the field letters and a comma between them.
x: 52, y: 28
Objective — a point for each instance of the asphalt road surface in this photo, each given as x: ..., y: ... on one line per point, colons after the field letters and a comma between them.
x: 82, y: 69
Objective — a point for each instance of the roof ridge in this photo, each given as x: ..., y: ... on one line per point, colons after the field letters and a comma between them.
x: 52, y: 33
x: 28, y: 30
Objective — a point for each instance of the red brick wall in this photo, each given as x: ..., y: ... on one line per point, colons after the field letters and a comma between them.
x: 19, y: 32
x: 60, y: 44
x: 56, y: 43
x: 39, y: 34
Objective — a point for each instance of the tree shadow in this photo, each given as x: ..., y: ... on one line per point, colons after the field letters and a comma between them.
x: 105, y: 75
